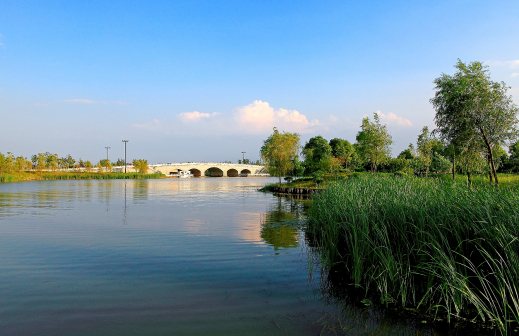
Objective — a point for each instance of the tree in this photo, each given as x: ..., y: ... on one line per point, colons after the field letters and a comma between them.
x: 471, y: 108
x: 408, y: 153
x: 374, y: 142
x: 141, y: 166
x: 424, y: 145
x: 279, y: 151
x: 20, y: 164
x: 316, y: 151
x: 343, y: 150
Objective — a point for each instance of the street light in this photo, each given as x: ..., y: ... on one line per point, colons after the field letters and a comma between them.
x: 107, y: 159
x: 243, y: 157
x: 125, y: 141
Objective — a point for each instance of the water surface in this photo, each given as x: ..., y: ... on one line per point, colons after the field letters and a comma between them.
x: 207, y: 256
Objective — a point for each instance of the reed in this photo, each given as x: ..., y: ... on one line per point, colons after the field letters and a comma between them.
x: 444, y: 248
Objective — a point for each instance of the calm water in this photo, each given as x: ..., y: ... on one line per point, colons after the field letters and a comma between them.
x: 208, y: 256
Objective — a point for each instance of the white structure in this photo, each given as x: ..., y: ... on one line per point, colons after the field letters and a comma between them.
x: 201, y: 169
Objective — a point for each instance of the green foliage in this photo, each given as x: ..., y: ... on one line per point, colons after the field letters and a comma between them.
x: 424, y: 146
x: 442, y: 247
x: 279, y: 151
x: 316, y: 152
x: 344, y: 151
x: 408, y: 153
x: 373, y: 142
x: 474, y: 113
x: 141, y: 166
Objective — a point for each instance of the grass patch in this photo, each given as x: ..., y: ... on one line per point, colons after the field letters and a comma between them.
x: 441, y: 247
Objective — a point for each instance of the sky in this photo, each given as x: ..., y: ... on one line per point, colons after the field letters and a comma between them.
x: 208, y: 80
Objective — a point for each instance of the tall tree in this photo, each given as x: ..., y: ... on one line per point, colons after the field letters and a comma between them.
x: 343, y: 150
x: 424, y: 145
x: 317, y: 152
x: 471, y: 108
x: 279, y: 151
x: 373, y: 142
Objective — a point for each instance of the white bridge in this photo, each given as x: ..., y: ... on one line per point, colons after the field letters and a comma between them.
x: 201, y: 169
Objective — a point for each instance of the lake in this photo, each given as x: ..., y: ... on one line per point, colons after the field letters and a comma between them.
x: 204, y: 256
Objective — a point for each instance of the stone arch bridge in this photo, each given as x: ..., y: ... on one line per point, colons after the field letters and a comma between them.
x: 213, y: 169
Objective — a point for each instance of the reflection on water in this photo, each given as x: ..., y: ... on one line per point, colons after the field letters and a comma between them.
x: 281, y: 224
x: 175, y: 256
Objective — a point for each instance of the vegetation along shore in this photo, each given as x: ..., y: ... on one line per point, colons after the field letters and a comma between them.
x: 434, y: 230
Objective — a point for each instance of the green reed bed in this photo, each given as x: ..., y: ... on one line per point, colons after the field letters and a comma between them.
x: 441, y: 247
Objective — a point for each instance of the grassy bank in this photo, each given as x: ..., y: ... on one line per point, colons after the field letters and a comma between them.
x: 29, y: 176
x: 448, y: 250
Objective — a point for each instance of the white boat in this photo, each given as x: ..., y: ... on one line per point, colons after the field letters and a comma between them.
x: 185, y: 174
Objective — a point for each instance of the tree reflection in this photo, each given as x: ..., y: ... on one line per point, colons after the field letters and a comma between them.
x: 281, y: 224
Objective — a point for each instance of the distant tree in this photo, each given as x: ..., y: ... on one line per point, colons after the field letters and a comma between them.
x: 317, y: 152
x: 40, y: 162
x: 119, y: 162
x: 343, y: 150
x: 21, y: 164
x: 424, y: 146
x: 279, y: 151
x: 88, y: 165
x: 469, y: 106
x: 373, y: 142
x: 513, y: 151
x: 407, y: 154
x: 141, y: 166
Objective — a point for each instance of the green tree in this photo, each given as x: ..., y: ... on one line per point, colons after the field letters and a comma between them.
x: 141, y: 166
x: 317, y: 152
x: 278, y: 152
x: 343, y: 150
x: 21, y: 164
x: 408, y: 153
x: 471, y: 108
x: 424, y: 146
x: 373, y: 142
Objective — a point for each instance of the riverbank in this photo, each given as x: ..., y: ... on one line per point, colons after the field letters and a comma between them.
x: 38, y: 176
x: 445, y: 250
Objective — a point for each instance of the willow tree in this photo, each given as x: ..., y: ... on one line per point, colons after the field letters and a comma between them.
x: 373, y: 142
x: 279, y: 151
x: 469, y: 105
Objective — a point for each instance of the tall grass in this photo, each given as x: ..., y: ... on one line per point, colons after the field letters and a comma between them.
x: 442, y: 247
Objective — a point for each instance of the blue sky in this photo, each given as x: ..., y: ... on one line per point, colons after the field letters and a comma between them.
x: 206, y: 80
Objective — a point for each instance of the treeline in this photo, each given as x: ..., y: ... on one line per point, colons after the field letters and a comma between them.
x: 48, y: 161
x: 475, y: 119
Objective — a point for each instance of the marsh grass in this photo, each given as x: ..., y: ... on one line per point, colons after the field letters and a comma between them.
x: 441, y: 247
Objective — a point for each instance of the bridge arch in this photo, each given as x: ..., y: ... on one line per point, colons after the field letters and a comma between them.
x: 245, y: 172
x: 213, y: 172
x: 195, y: 172
x: 232, y: 172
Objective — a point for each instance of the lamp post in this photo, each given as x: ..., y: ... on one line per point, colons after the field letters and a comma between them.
x: 243, y: 153
x: 107, y: 159
x: 125, y: 141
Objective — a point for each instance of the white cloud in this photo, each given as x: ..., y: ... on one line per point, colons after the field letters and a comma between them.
x: 515, y: 74
x: 195, y: 116
x: 259, y: 117
x: 393, y: 119
x: 509, y: 64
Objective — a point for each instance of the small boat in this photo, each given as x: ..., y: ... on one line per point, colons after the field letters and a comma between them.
x: 185, y: 174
